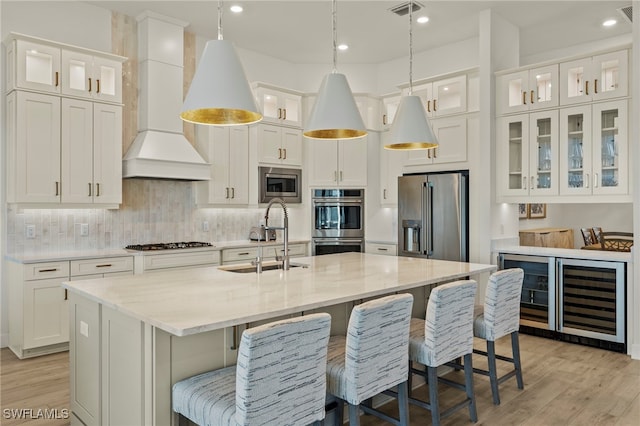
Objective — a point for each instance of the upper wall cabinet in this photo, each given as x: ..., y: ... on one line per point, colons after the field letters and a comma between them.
x: 389, y: 108
x: 279, y: 145
x: 595, y: 78
x: 369, y: 108
x: 35, y: 64
x: 279, y: 106
x: 527, y: 90
x: 451, y: 133
x: 443, y: 97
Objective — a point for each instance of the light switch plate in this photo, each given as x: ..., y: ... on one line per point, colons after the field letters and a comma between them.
x: 30, y: 231
x: 84, y: 329
x: 84, y: 229
x: 205, y: 226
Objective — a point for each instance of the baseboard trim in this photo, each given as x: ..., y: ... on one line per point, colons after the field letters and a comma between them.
x: 635, y: 351
x: 4, y: 340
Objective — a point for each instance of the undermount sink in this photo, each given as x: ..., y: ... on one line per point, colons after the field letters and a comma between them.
x: 266, y: 266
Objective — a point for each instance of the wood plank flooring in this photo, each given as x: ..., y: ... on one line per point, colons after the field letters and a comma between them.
x: 565, y: 384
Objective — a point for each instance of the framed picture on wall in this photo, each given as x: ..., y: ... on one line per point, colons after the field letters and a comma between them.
x: 523, y: 211
x: 537, y: 211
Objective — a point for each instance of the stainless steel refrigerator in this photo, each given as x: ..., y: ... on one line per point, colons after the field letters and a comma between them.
x: 433, y: 216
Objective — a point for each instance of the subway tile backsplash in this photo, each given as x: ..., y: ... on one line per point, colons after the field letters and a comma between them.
x: 152, y: 211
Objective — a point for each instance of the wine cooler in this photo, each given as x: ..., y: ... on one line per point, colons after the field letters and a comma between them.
x: 577, y: 300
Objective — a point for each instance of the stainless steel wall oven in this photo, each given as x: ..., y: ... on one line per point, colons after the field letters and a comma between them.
x: 337, y: 220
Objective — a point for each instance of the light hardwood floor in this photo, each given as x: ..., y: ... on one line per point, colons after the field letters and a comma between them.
x: 565, y: 384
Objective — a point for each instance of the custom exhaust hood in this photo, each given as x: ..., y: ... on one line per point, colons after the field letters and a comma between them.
x: 160, y: 150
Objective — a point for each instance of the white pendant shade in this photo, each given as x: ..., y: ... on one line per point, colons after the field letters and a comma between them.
x: 335, y: 114
x: 219, y: 93
x: 411, y: 129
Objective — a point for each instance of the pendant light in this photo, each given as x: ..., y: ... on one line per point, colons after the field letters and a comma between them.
x: 219, y: 94
x: 335, y: 114
x: 411, y: 129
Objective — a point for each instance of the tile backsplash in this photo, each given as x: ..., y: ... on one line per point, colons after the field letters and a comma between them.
x: 151, y: 211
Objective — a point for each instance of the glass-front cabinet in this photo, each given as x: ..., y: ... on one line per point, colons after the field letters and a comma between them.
x: 527, y: 154
x: 527, y: 90
x: 594, y: 149
x: 596, y: 78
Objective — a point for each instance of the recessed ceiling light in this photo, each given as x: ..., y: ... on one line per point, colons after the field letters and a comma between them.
x: 343, y: 46
x: 422, y: 20
x: 609, y: 23
x: 236, y: 8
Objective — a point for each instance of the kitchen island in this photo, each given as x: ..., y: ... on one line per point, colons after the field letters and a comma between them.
x: 132, y: 337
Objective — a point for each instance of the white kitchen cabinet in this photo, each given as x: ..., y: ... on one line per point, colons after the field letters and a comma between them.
x: 279, y: 106
x: 444, y: 96
x: 595, y: 78
x: 91, y: 148
x: 527, y: 154
x: 451, y: 133
x: 227, y: 150
x: 390, y: 106
x: 527, y: 89
x: 89, y: 76
x: 594, y: 149
x: 33, y: 66
x: 279, y: 145
x: 369, y: 107
x: 338, y: 163
x: 391, y: 163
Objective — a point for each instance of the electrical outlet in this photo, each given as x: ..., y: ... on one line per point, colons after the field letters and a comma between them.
x: 205, y: 226
x: 84, y: 229
x: 30, y: 231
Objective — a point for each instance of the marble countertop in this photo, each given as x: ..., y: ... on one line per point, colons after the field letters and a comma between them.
x: 56, y: 256
x: 569, y: 253
x: 187, y: 302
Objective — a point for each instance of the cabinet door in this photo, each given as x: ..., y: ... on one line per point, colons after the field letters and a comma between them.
x: 291, y: 146
x: 77, y: 79
x: 323, y: 162
x: 543, y: 87
x: 610, y: 75
x: 543, y: 153
x: 46, y: 315
x: 575, y: 150
x: 574, y: 81
x: 390, y: 105
x: 369, y: 110
x: 425, y: 93
x: 352, y: 160
x: 238, y: 164
x: 449, y: 96
x: 511, y: 92
x: 219, y: 188
x: 610, y: 148
x: 37, y: 67
x: 280, y: 107
x: 451, y: 134
x: 269, y: 144
x: 291, y: 109
x: 37, y: 148
x: 107, y: 154
x: 391, y: 163
x: 512, y: 155
x: 77, y: 151
x: 108, y: 79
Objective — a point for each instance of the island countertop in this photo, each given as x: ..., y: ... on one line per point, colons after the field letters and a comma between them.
x: 187, y: 302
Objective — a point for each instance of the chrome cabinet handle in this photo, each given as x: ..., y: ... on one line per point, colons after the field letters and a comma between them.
x: 586, y: 181
x: 595, y: 180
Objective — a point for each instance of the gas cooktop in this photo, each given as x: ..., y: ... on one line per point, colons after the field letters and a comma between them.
x: 167, y: 246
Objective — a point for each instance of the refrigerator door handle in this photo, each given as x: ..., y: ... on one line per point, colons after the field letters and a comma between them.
x: 429, y: 219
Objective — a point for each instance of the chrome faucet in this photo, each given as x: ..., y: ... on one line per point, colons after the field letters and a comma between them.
x: 285, y: 228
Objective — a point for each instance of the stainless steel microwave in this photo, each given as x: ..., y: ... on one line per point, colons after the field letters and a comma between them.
x: 280, y: 183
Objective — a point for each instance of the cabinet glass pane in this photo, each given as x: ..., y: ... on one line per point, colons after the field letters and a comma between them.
x: 543, y: 140
x: 609, y: 137
x: 77, y: 75
x: 575, y: 82
x: 515, y: 92
x: 515, y: 155
x: 270, y: 106
x: 608, y: 76
x: 575, y: 153
x: 449, y: 96
x: 39, y: 67
x: 291, y: 108
x: 543, y: 87
x: 107, y: 80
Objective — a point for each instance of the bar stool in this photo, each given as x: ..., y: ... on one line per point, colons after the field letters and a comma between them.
x: 371, y: 358
x: 280, y: 378
x: 499, y: 317
x: 444, y: 336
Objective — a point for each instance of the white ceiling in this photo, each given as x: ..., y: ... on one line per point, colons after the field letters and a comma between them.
x: 300, y: 31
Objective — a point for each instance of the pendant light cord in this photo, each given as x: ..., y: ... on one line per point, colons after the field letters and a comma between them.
x: 219, y: 19
x: 334, y: 20
x: 410, y: 47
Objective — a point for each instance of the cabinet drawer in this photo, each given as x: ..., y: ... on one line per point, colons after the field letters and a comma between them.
x: 42, y: 271
x: 378, y: 248
x: 239, y: 254
x: 101, y: 266
x: 176, y: 260
x: 294, y: 250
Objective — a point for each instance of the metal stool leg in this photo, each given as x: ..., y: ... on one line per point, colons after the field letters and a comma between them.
x: 432, y: 373
x: 515, y: 348
x: 403, y: 403
x: 468, y: 382
x: 339, y: 419
x: 354, y: 415
x: 493, y: 371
